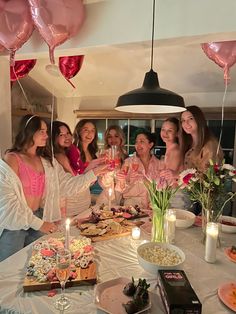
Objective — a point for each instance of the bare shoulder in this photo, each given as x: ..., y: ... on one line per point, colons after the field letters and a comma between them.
x: 11, y: 160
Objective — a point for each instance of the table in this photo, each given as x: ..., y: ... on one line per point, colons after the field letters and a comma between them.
x: 117, y: 258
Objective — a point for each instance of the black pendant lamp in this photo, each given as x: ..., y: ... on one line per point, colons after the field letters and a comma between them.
x: 151, y: 98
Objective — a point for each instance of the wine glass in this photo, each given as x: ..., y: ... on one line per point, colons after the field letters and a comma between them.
x: 63, y: 261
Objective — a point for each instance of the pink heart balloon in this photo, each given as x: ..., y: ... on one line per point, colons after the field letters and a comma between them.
x: 16, y: 24
x: 70, y: 66
x: 222, y: 53
x: 57, y: 20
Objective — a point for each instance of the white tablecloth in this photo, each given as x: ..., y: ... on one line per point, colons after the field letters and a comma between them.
x: 117, y: 258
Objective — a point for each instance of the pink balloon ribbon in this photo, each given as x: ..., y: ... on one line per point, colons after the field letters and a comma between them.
x: 223, y: 54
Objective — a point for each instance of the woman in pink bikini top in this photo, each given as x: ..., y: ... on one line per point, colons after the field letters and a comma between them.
x: 24, y: 159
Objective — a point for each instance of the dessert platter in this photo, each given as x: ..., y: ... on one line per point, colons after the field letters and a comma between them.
x: 128, y: 212
x: 120, y: 296
x: 104, y: 224
x: 41, y: 269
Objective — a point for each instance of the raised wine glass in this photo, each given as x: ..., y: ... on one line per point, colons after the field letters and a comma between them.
x: 63, y: 261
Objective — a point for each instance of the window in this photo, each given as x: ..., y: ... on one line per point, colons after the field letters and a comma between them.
x: 132, y: 126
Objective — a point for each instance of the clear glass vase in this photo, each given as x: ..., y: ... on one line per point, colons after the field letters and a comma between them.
x: 158, y: 227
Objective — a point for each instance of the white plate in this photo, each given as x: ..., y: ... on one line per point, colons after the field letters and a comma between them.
x: 227, y: 228
x: 109, y: 296
x: 227, y: 294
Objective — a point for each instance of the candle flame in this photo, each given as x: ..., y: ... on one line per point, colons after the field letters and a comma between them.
x: 110, y: 191
x: 67, y: 221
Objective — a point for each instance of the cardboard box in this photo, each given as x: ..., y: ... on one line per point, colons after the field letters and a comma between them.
x: 177, y: 294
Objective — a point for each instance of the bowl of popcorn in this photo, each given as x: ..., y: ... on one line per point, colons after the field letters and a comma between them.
x: 154, y: 255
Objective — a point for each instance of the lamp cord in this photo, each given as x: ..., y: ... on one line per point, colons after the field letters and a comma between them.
x: 153, y: 28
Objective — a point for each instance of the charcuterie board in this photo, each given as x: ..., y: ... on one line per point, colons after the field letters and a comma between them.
x: 41, y: 268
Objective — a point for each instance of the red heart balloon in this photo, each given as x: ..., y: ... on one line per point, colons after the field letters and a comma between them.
x: 16, y: 24
x: 57, y: 20
x: 70, y: 66
x: 21, y: 69
x: 222, y: 53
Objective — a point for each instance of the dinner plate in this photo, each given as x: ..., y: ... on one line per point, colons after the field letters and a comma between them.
x: 230, y: 255
x: 227, y: 294
x: 109, y: 296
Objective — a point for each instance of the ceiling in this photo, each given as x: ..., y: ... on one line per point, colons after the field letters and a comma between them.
x: 109, y: 72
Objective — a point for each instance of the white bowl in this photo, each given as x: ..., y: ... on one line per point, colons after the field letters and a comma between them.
x: 228, y: 228
x: 184, y: 218
x: 151, y: 262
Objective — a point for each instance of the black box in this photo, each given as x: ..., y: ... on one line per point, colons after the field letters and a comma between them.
x: 177, y: 294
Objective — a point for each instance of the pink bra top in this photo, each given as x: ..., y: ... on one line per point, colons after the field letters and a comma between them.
x: 33, y: 182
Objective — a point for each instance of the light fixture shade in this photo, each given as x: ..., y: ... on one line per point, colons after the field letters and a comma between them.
x: 150, y: 98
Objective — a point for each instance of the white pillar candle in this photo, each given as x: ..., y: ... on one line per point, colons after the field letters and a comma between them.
x: 212, y: 233
x: 67, y: 237
x: 109, y: 198
x: 170, y: 220
x: 136, y: 233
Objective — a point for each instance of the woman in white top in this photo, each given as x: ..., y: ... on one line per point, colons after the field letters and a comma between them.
x: 31, y: 184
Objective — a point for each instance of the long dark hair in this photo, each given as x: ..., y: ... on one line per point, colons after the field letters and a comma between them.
x: 28, y: 126
x: 151, y: 137
x: 203, y: 131
x: 92, y: 147
x: 55, y: 133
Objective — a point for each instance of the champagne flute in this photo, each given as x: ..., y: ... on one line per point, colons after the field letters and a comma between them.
x: 63, y: 261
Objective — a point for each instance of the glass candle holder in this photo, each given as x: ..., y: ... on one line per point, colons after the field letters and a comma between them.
x: 136, y: 232
x: 170, y: 221
x: 212, y: 233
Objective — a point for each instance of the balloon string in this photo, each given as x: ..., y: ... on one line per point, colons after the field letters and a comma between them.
x: 222, y: 118
x: 51, y: 123
x: 21, y: 87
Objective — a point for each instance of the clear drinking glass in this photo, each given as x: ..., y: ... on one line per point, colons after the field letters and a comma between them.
x: 63, y: 261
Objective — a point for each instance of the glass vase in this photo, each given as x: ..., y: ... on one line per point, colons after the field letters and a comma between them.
x: 158, y: 227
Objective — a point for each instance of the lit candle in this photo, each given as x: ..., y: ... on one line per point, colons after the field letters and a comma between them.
x: 109, y: 198
x: 170, y: 220
x: 212, y: 233
x: 136, y: 233
x: 67, y: 238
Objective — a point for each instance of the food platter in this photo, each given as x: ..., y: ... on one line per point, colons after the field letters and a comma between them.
x: 227, y: 294
x: 41, y: 267
x: 107, y: 229
x: 101, y: 212
x: 109, y: 296
x: 231, y: 254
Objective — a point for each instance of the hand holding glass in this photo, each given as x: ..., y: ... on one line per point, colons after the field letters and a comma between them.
x: 63, y: 261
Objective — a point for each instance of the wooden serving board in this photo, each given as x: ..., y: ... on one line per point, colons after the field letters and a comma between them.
x: 87, y: 276
x: 109, y: 236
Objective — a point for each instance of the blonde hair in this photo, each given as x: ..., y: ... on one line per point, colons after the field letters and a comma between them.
x: 119, y: 131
